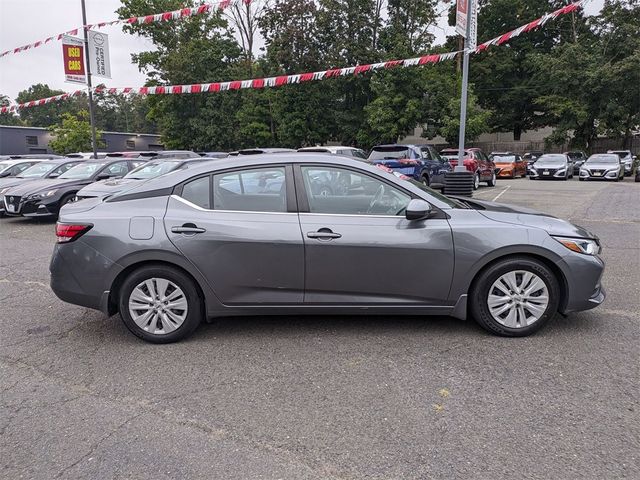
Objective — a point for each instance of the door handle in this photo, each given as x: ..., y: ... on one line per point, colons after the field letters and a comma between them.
x: 188, y: 228
x: 323, y: 234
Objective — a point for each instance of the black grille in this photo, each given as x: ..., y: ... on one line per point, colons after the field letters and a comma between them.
x: 597, y: 171
x: 12, y: 200
x: 542, y: 171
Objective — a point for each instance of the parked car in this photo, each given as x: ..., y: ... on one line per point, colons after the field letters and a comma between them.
x: 166, y: 254
x: 161, y: 154
x: 510, y: 165
x: 337, y: 150
x: 13, y: 167
x: 422, y: 163
x: 44, y: 198
x: 141, y: 173
x: 531, y: 157
x: 45, y: 169
x: 551, y: 166
x: 602, y: 166
x: 578, y: 157
x: 474, y: 160
x: 627, y: 158
x: 258, y: 151
x: 85, y: 155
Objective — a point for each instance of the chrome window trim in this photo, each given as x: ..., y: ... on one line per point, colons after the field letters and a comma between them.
x: 197, y: 207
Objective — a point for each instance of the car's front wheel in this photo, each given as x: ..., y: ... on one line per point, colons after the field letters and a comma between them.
x: 476, y: 181
x: 514, y: 297
x: 492, y: 182
x: 160, y: 304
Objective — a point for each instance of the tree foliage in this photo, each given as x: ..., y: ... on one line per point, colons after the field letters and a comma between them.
x: 72, y: 134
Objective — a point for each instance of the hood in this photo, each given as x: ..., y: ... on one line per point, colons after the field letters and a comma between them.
x: 108, y: 187
x: 527, y: 217
x: 549, y: 165
x: 36, y: 186
x: 504, y: 164
x: 601, y: 165
x: 14, y: 181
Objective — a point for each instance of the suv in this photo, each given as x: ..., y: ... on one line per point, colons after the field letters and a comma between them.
x: 627, y: 158
x: 476, y: 162
x: 422, y: 163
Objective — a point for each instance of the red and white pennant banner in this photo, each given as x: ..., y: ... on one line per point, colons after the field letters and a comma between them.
x: 267, y: 82
x: 146, y: 19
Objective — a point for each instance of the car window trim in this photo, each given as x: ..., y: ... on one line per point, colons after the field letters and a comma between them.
x: 202, y: 209
x: 291, y: 202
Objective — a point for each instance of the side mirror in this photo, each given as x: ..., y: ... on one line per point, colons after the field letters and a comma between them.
x: 103, y: 176
x: 54, y: 175
x: 417, y: 210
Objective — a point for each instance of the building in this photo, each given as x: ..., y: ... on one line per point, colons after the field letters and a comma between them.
x: 25, y: 140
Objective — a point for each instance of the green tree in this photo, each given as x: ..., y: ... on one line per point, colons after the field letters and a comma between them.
x: 51, y: 113
x: 72, y: 134
x: 8, y: 118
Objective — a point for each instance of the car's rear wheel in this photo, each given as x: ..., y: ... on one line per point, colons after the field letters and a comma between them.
x: 426, y: 181
x: 160, y: 304
x: 514, y: 297
x: 492, y: 181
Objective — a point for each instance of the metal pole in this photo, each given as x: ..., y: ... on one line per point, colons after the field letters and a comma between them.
x: 463, y: 96
x: 94, y: 143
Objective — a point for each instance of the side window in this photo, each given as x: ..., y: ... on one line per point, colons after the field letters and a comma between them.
x: 425, y: 153
x: 357, y: 153
x: 253, y: 190
x: 63, y: 168
x: 340, y: 191
x: 115, y: 169
x: 20, y: 168
x: 197, y: 192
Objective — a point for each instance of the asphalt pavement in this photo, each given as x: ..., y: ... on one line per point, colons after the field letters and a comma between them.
x: 327, y: 397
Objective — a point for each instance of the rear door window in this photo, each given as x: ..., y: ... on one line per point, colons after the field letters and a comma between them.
x: 251, y: 190
x: 198, y: 192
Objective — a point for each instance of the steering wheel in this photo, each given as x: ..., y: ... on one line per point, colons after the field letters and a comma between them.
x: 376, y: 198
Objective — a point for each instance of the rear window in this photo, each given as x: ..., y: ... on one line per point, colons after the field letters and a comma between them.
x: 389, y: 153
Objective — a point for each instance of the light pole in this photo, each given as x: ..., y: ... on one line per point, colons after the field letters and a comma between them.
x: 94, y: 143
x: 465, y: 84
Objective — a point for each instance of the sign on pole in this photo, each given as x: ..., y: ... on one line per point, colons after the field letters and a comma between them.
x: 99, y: 54
x: 473, y: 27
x: 73, y: 55
x: 462, y: 10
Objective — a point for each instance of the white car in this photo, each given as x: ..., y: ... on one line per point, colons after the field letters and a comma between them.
x: 602, y: 166
x: 11, y: 168
x: 337, y: 150
x: 627, y: 158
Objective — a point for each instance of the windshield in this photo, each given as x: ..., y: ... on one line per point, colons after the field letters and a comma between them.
x: 389, y: 153
x: 497, y: 158
x: 604, y: 158
x: 4, y: 165
x: 82, y: 171
x: 452, y: 202
x: 38, y: 170
x: 551, y: 160
x: 152, y: 170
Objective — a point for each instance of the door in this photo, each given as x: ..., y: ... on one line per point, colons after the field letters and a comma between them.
x: 240, y: 229
x: 436, y: 164
x: 360, y: 249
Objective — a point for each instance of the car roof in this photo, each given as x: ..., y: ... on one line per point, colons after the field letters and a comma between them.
x: 13, y: 161
x: 326, y: 148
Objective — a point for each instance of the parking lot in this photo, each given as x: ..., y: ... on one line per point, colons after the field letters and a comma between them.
x: 327, y: 397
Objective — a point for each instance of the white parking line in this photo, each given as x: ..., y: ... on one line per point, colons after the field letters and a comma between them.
x: 501, y: 193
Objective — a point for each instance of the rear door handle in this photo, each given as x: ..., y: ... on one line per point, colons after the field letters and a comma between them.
x: 323, y: 234
x: 188, y: 228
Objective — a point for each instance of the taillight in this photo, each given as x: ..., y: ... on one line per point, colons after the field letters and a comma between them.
x: 66, y: 232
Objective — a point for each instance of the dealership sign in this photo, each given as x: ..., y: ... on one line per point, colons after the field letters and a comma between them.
x: 73, y: 55
x: 467, y: 12
x: 99, y: 54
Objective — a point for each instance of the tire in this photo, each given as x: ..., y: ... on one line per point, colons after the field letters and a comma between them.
x: 492, y: 182
x: 184, y: 283
x: 425, y: 180
x: 476, y: 181
x: 483, y: 286
x: 580, y: 179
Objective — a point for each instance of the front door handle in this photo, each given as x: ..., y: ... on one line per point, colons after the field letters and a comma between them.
x: 323, y: 234
x: 188, y: 229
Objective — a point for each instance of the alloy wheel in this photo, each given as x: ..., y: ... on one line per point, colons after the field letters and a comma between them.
x: 158, y: 306
x: 518, y: 299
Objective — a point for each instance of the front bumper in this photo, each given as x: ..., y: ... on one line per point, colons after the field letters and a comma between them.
x: 37, y: 207
x: 583, y: 274
x: 548, y: 174
x: 598, y: 174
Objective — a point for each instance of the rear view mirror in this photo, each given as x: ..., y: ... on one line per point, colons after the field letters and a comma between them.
x: 417, y: 210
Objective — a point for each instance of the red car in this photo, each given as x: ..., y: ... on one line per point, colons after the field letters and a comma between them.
x: 475, y: 161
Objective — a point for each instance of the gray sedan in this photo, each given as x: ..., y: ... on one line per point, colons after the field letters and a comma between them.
x: 315, y: 234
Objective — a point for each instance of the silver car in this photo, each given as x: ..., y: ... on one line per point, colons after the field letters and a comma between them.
x: 261, y: 235
x: 602, y: 166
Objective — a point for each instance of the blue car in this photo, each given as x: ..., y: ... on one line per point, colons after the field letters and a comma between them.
x: 422, y: 163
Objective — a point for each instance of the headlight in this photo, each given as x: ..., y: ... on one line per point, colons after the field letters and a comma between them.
x: 580, y: 245
x: 46, y: 194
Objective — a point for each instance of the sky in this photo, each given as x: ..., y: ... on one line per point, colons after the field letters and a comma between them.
x: 26, y: 21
